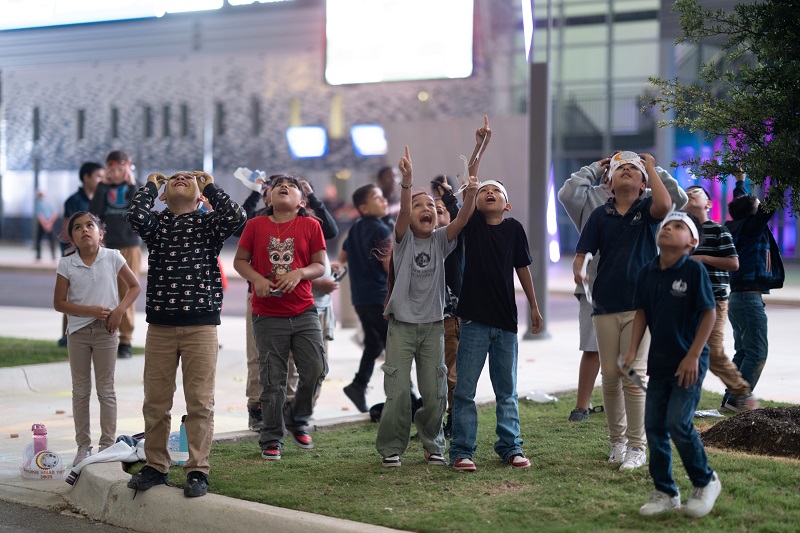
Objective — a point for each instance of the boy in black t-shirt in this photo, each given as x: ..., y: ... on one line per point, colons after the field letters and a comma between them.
x: 495, y: 247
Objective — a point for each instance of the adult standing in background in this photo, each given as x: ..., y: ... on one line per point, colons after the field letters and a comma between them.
x: 110, y: 203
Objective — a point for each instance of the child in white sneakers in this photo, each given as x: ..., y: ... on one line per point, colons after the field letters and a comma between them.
x: 674, y: 298
x: 415, y: 311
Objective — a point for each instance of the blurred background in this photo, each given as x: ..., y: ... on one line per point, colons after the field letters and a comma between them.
x: 333, y: 90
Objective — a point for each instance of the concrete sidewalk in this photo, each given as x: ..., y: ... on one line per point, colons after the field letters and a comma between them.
x: 42, y: 393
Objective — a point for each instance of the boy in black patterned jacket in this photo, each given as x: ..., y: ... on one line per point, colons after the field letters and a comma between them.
x: 184, y: 300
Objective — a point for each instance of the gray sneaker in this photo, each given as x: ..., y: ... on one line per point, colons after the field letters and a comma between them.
x: 617, y: 453
x: 702, y: 499
x: 660, y: 502
x: 578, y: 415
x: 83, y: 453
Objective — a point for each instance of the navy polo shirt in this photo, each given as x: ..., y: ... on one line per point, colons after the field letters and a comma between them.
x: 673, y: 300
x: 626, y: 243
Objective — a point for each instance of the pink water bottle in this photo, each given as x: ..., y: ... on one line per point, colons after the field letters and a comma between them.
x: 39, y: 438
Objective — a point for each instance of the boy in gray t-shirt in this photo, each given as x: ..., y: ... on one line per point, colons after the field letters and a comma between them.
x: 415, y: 310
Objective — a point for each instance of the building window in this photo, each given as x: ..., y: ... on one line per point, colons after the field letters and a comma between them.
x: 148, y: 122
x: 219, y: 119
x: 36, y: 129
x: 166, y: 131
x: 255, y: 114
x: 114, y: 123
x: 184, y: 120
x: 81, y: 124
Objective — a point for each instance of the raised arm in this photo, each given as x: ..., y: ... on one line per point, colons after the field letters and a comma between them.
x: 464, y: 214
x: 662, y: 203
x: 329, y: 227
x: 406, y: 181
x: 482, y: 137
x: 676, y: 193
x: 140, y: 215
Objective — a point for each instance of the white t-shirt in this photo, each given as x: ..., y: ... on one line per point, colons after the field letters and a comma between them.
x: 419, y: 285
x: 91, y: 285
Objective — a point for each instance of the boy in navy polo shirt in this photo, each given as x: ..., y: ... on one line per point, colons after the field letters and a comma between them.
x: 623, y: 231
x: 368, y: 274
x: 674, y: 298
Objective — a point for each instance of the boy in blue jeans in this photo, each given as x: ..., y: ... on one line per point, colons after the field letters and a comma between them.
x: 495, y: 248
x: 674, y: 298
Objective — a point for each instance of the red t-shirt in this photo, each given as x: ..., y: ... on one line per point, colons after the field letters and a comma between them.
x: 278, y: 249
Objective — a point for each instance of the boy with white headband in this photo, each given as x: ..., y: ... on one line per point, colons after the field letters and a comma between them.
x: 674, y: 298
x: 495, y: 247
x: 623, y: 231
x: 582, y: 193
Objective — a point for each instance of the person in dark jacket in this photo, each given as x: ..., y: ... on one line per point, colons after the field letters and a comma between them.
x: 184, y: 300
x: 760, y: 269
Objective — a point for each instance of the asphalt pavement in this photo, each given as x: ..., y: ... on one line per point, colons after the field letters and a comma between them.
x: 42, y: 393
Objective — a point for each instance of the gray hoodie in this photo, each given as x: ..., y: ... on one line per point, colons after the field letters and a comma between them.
x: 580, y: 196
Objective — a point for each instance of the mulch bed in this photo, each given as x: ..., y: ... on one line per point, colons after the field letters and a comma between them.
x: 771, y: 431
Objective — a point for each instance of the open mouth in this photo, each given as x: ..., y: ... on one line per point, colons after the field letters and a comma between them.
x: 426, y: 219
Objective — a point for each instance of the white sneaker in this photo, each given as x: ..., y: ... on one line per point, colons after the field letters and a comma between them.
x: 634, y: 458
x: 702, y: 499
x: 617, y: 454
x: 660, y: 502
x: 83, y: 453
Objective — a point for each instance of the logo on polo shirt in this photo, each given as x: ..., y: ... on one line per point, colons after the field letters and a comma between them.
x: 679, y: 288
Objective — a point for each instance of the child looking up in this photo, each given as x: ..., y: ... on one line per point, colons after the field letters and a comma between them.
x: 718, y: 253
x: 495, y: 248
x: 415, y: 311
x: 86, y: 292
x: 280, y: 254
x: 623, y: 232
x: 674, y: 298
x: 184, y: 300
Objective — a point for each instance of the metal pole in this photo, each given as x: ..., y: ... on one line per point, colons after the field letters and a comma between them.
x: 540, y: 141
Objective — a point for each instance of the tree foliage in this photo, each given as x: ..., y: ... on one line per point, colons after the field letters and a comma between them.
x: 749, y: 95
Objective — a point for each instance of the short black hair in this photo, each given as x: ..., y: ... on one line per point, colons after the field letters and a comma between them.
x: 360, y: 194
x: 88, y: 168
x: 119, y: 156
x: 743, y: 206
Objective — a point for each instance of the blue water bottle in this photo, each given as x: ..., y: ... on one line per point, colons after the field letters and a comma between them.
x: 183, y: 448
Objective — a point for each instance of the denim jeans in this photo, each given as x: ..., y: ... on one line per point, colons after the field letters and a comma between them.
x: 276, y: 337
x: 476, y: 341
x: 749, y: 320
x: 669, y: 411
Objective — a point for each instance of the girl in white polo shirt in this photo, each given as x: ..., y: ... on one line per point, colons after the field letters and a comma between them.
x: 86, y: 291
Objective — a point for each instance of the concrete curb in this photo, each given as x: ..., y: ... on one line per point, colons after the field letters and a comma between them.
x: 102, y: 494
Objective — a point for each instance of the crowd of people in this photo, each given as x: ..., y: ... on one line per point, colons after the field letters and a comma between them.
x: 433, y: 285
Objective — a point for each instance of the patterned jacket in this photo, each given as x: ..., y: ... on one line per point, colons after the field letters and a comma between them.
x: 184, y: 285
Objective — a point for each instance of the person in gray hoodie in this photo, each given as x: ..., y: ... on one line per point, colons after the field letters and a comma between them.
x: 583, y: 192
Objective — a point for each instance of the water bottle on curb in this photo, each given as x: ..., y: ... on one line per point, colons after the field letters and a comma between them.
x: 183, y: 447
x: 178, y: 446
x: 39, y: 438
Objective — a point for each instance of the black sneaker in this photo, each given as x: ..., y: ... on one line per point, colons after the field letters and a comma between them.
x: 448, y: 428
x: 124, y: 351
x: 579, y: 415
x: 256, y: 419
x: 196, y: 484
x: 146, y: 478
x: 357, y: 396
